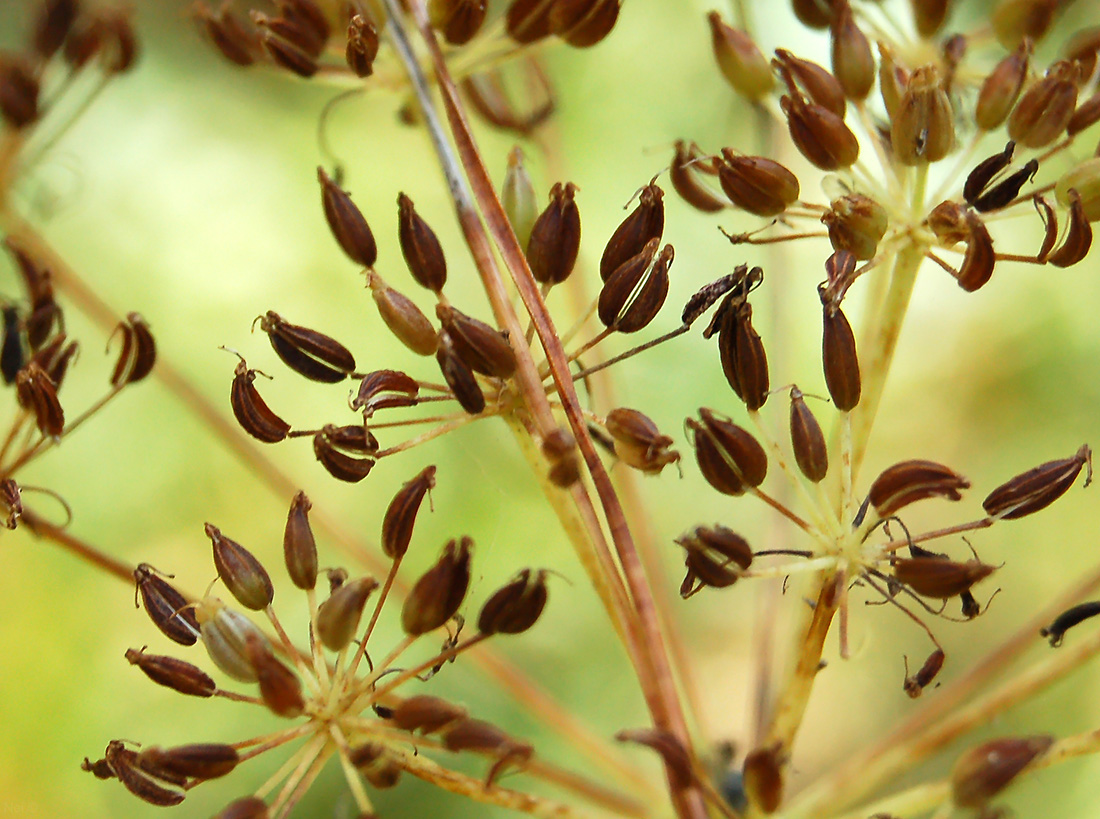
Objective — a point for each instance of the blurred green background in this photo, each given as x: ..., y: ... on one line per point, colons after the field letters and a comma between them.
x: 188, y: 193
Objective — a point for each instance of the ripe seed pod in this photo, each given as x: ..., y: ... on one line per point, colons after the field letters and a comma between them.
x: 287, y: 55
x: 440, y: 591
x: 376, y: 764
x: 236, y: 42
x: 682, y: 173
x: 980, y: 258
x: 814, y: 13
x: 459, y: 377
x: 583, y: 23
x: 484, y: 349
x: 923, y: 130
x: 55, y: 357
x: 1014, y: 20
x: 743, y: 359
x: 459, y: 20
x: 738, y: 446
x: 819, y: 134
x: 807, y: 439
x: 638, y: 441
x: 355, y: 438
x: 362, y: 48
x: 346, y: 222
x: 426, y: 714
x: 280, y: 688
x: 914, y: 686
x: 400, y: 517
x: 199, y: 761
x: 402, y: 316
x: 714, y: 467
x: 555, y: 237
x: 167, y: 608
x: 987, y: 769
x: 714, y: 557
x: 739, y: 60
x: 853, y: 62
x: 299, y: 546
x: 1037, y: 488
x: 633, y: 295
x: 818, y: 84
x: 420, y: 247
x: 1001, y: 88
x: 907, y: 482
x: 763, y: 778
x: 385, y: 388
x: 176, y: 674
x: 757, y: 184
x: 676, y: 759
x: 645, y: 223
x: 839, y: 360
x: 248, y: 807
x: 1045, y: 109
x: 240, y: 571
x: 939, y: 578
x: 36, y: 392
x: 528, y: 20
x: 1078, y: 239
x: 340, y: 465
x: 516, y: 606
x: 1084, y: 116
x: 251, y: 411
x: 1069, y: 618
x: 979, y: 179
x: 138, y: 354
x: 122, y: 762
x: 311, y: 354
x: 225, y: 634
x: 856, y: 223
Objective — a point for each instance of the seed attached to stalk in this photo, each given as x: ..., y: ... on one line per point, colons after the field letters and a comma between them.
x: 251, y: 411
x: 807, y: 439
x: 426, y: 714
x: 484, y: 349
x: 940, y: 578
x: 740, y: 61
x: 1037, y: 488
x: 421, y: 248
x: 459, y: 377
x: 757, y: 184
x: 915, y: 685
x: 299, y: 546
x: 362, y: 48
x: 644, y: 224
x: 311, y: 354
x: 907, y: 482
x: 167, y: 608
x: 987, y: 769
x: 178, y: 675
x: 340, y: 464
x: 555, y: 237
x: 240, y: 571
x: 400, y: 517
x: 436, y: 596
x: 516, y: 606
x: 200, y: 761
x: 347, y: 222
x: 638, y: 441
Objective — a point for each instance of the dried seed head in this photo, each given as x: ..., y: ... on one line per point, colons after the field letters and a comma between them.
x: 555, y: 237
x: 240, y: 571
x: 516, y: 606
x: 1078, y: 239
x: 309, y: 353
x: 1001, y: 88
x: 741, y: 63
x: 757, y: 184
x: 1084, y: 178
x: 633, y: 295
x: 459, y: 20
x: 459, y: 377
x: 1045, y: 109
x: 914, y: 686
x: 940, y: 578
x: 645, y: 223
x: 677, y: 761
x: 1013, y: 20
x: 819, y: 134
x: 225, y: 633
x: 340, y: 465
x: 167, y: 608
x: 853, y: 62
x: 838, y: 356
x: 377, y: 765
x: 683, y: 172
x: 906, y: 482
x: 426, y: 714
x: 403, y: 317
x: 397, y: 525
x: 280, y: 688
x: 172, y: 673
x: 299, y: 547
x: 362, y: 48
x: 807, y: 439
x: 923, y: 130
x: 199, y: 761
x: 36, y: 392
x: 420, y: 247
x: 1037, y: 488
x: 484, y: 349
x: 737, y: 446
x: 440, y: 591
x: 251, y: 411
x: 987, y: 769
x: 346, y: 222
x: 856, y: 223
x: 248, y: 807
x: 583, y: 23
x: 818, y: 84
x: 763, y: 778
x: 638, y: 441
x: 18, y: 93
x: 385, y: 388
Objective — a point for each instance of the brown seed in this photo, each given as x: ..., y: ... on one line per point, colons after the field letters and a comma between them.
x: 633, y: 295
x: 839, y: 359
x: 347, y: 222
x: 740, y: 61
x: 672, y: 752
x: 13, y: 355
x: 683, y: 174
x: 400, y: 517
x: 426, y: 714
x: 807, y: 439
x: 923, y: 129
x: 1039, y: 487
x: 376, y: 764
x: 338, y: 617
x: 757, y: 184
x: 856, y: 223
x: 1001, y: 88
x: 172, y: 673
x: 1084, y: 116
x: 1013, y: 20
x: 853, y: 62
x: 167, y: 608
x: 280, y: 688
x: 644, y: 224
x: 715, y: 556
x: 914, y: 686
x: 763, y: 778
x: 385, y: 388
x: 516, y: 606
x: 459, y: 377
x: 362, y: 48
x: 251, y: 411
x: 292, y: 30
x: 240, y: 571
x: 741, y: 279
x: 818, y: 84
x: 980, y: 258
x: 247, y: 807
x: 814, y: 13
x: 123, y: 764
x: 1045, y: 109
x: 420, y: 247
x: 715, y: 468
x: 819, y: 134
x: 403, y: 317
x: 555, y: 237
x: 54, y: 357
x: 583, y: 23
x: 37, y: 392
x: 288, y: 56
x: 940, y: 578
x: 1078, y: 239
x: 199, y: 761
x: 738, y: 446
x: 638, y: 441
x: 987, y: 769
x: 339, y: 464
x: 54, y: 21
x: 439, y: 592
x: 528, y: 20
x: 459, y: 20
x: 352, y: 438
x: 743, y: 359
x: 311, y: 354
x: 929, y: 16
x: 484, y: 349
x: 237, y: 42
x: 299, y: 546
x: 979, y: 179
x: 18, y: 93
x: 907, y: 482
x: 138, y: 354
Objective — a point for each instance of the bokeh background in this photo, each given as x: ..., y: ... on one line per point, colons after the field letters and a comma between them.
x: 188, y: 193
